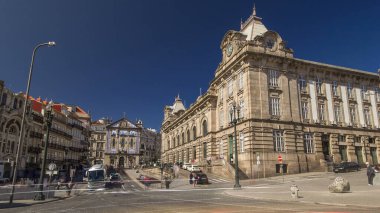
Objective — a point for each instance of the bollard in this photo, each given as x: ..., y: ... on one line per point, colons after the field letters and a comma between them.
x: 294, y: 191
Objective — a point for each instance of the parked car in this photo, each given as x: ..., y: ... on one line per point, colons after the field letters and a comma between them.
x: 201, y: 178
x: 115, y: 181
x: 194, y: 168
x: 346, y: 167
x: 186, y: 165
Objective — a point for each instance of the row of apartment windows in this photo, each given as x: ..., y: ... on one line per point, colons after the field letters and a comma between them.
x: 176, y: 141
x: 279, y: 143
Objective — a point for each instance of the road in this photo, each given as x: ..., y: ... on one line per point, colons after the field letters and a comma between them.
x: 208, y: 198
x: 198, y: 200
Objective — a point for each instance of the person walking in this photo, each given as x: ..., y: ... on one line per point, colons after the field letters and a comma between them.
x: 370, y: 174
x: 194, y: 180
x: 191, y: 178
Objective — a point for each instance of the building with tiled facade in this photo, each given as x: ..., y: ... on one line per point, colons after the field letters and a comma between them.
x: 309, y: 113
x: 128, y: 144
x: 68, y: 140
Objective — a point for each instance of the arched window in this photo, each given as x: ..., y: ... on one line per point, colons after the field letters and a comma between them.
x: 183, y: 138
x: 188, y: 135
x: 194, y: 133
x: 168, y: 144
x: 113, y: 142
x: 177, y: 140
x: 174, y: 142
x: 204, y: 126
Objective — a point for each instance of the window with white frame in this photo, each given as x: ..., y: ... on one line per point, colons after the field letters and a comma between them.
x: 230, y: 87
x: 319, y: 86
x: 321, y: 108
x: 363, y: 92
x: 304, y: 109
x: 221, y: 117
x: 302, y: 83
x: 367, y: 118
x: 275, y: 106
x: 241, y: 83
x: 242, y: 108
x: 241, y: 139
x: 337, y: 113
x: 278, y: 141
x: 308, y: 143
x: 273, y: 77
x: 353, y: 114
x: 335, y: 88
x: 349, y: 90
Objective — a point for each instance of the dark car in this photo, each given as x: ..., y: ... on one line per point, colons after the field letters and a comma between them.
x: 346, y: 167
x: 201, y: 178
x: 115, y: 181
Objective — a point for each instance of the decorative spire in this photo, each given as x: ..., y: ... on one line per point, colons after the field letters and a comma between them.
x: 254, y: 10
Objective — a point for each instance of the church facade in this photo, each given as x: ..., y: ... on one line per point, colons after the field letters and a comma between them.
x: 308, y: 113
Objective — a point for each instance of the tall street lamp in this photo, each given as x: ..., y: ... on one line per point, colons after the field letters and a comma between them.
x: 48, y: 118
x: 235, y: 117
x: 49, y: 44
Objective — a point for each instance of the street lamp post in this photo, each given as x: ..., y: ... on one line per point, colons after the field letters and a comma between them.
x: 48, y: 117
x: 49, y: 44
x: 235, y: 117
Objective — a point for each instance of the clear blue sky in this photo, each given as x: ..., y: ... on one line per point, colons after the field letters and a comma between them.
x: 136, y: 56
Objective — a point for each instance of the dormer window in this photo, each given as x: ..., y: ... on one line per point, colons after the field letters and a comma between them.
x: 270, y: 43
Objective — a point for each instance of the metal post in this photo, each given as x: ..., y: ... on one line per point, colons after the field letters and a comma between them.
x: 40, y: 195
x: 237, y: 185
x: 23, y: 119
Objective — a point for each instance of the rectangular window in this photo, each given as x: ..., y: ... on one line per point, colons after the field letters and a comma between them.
x: 302, y: 83
x: 319, y: 86
x: 349, y: 90
x: 278, y: 141
x: 363, y: 92
x: 230, y: 87
x: 241, y: 83
x: 204, y: 150
x: 194, y: 153
x: 335, y: 88
x: 275, y: 106
x: 309, y: 145
x: 337, y: 113
x: 341, y: 138
x: 367, y: 118
x: 241, y: 139
x: 321, y: 108
x: 353, y: 114
x: 305, y: 109
x: 273, y: 76
x: 242, y: 109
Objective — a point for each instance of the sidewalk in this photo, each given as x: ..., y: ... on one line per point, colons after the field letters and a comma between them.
x: 20, y: 203
x: 313, y: 189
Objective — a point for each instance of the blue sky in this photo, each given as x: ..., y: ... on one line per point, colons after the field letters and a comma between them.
x: 136, y: 56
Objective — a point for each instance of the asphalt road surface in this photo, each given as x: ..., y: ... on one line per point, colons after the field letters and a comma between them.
x: 197, y: 200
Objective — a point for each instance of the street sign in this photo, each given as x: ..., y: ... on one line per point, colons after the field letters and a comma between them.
x: 279, y: 158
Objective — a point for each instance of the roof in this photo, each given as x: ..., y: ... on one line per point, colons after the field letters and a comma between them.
x: 253, y: 26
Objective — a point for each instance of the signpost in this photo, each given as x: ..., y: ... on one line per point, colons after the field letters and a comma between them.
x: 279, y: 158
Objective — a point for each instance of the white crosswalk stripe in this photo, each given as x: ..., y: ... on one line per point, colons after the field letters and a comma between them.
x: 218, y: 180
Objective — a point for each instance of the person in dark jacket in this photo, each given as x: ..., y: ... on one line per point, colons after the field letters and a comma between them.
x: 191, y: 178
x: 370, y: 174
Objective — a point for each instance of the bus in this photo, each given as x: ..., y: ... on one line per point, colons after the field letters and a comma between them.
x: 97, y: 177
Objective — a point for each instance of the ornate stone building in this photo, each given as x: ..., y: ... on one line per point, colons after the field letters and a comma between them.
x: 68, y: 141
x: 129, y: 145
x: 309, y: 113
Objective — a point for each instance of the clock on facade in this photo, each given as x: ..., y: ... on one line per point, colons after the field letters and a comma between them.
x: 229, y: 49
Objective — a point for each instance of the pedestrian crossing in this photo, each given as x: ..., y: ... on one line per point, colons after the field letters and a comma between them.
x: 218, y: 180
